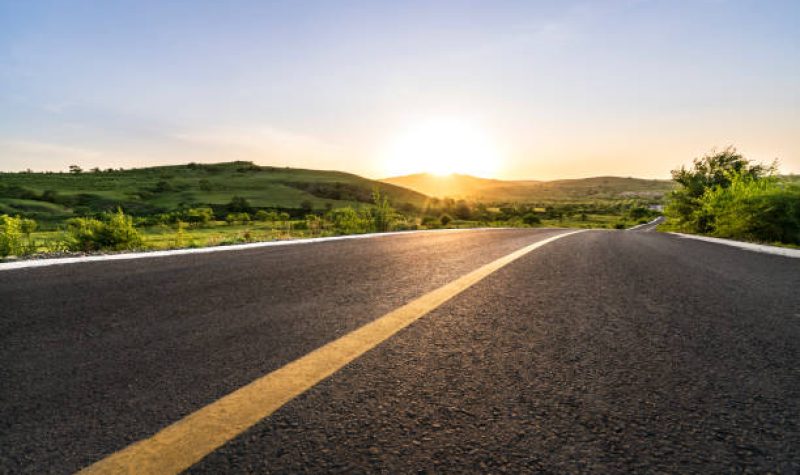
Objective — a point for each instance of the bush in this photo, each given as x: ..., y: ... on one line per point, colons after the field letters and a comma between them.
x: 233, y: 218
x: 114, y: 232
x: 430, y: 222
x: 199, y: 216
x: 349, y: 221
x: 15, y: 236
x: 717, y: 170
x: 272, y: 216
x: 754, y: 209
x: 445, y: 219
x: 531, y: 219
x: 726, y: 196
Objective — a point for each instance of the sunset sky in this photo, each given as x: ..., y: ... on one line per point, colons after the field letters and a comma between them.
x: 537, y: 90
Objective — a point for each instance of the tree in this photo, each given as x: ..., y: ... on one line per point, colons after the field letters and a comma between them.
x: 715, y: 170
x: 445, y: 219
x: 239, y: 205
x: 75, y: 169
x: 462, y: 210
x: 531, y: 219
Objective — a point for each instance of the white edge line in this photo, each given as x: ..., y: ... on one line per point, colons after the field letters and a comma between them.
x: 30, y: 263
x: 749, y: 246
x: 643, y: 224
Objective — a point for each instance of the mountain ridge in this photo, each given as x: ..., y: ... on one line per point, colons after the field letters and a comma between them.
x: 491, y: 189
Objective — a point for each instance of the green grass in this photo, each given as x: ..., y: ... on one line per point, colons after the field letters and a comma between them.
x: 220, y: 233
x: 154, y: 190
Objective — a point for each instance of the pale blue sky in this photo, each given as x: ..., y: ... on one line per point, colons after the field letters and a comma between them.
x: 564, y: 89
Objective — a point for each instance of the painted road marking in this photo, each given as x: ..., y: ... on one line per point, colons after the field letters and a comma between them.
x: 658, y: 220
x: 184, y: 443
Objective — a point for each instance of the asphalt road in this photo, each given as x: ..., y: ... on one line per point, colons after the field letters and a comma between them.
x: 604, y: 352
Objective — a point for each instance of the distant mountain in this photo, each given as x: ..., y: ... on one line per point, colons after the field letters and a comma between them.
x: 490, y: 190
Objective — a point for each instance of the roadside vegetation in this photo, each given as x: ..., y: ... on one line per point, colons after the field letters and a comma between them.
x: 725, y: 195
x: 206, y: 205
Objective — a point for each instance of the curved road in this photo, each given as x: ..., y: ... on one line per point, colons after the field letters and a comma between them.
x: 602, y: 352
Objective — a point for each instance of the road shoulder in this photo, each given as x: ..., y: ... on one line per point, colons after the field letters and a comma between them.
x: 749, y: 246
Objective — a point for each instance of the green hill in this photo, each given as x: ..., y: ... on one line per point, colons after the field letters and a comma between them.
x: 147, y: 191
x: 529, y: 191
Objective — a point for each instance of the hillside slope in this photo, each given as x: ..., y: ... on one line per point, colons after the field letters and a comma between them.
x: 482, y: 189
x: 145, y: 191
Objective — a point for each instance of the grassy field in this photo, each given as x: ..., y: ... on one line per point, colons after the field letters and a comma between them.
x: 53, y: 197
x: 160, y: 207
x: 217, y: 233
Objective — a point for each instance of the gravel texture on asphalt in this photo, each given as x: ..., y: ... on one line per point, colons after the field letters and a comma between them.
x: 95, y: 356
x: 603, y: 352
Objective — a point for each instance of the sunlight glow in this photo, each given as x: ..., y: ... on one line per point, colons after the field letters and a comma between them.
x: 443, y: 146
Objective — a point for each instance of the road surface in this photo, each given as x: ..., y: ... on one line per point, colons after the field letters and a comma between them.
x: 602, y: 351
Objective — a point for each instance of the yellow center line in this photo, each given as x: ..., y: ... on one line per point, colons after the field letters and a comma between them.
x: 185, y: 442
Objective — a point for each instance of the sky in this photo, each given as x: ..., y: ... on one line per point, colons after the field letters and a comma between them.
x: 512, y: 90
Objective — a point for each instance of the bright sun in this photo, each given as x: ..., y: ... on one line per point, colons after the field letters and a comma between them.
x: 443, y: 146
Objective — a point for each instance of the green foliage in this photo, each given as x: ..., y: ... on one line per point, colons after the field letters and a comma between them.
x: 445, y: 219
x: 350, y: 221
x: 234, y: 218
x: 712, y: 171
x: 382, y: 214
x: 531, y: 219
x: 15, y: 236
x: 262, y: 215
x: 115, y: 231
x: 754, y: 209
x: 430, y: 222
x: 462, y: 210
x: 727, y: 196
x: 640, y: 212
x: 199, y: 216
x: 239, y: 205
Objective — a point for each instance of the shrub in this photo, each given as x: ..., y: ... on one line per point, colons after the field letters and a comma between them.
x: 445, y: 219
x: 114, y: 232
x: 710, y: 172
x: 754, y: 209
x: 430, y: 222
x: 233, y: 218
x: 531, y: 219
x: 15, y: 236
x: 349, y: 221
x: 199, y: 216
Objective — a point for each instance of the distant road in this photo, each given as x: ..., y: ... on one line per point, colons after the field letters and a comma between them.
x: 602, y: 351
